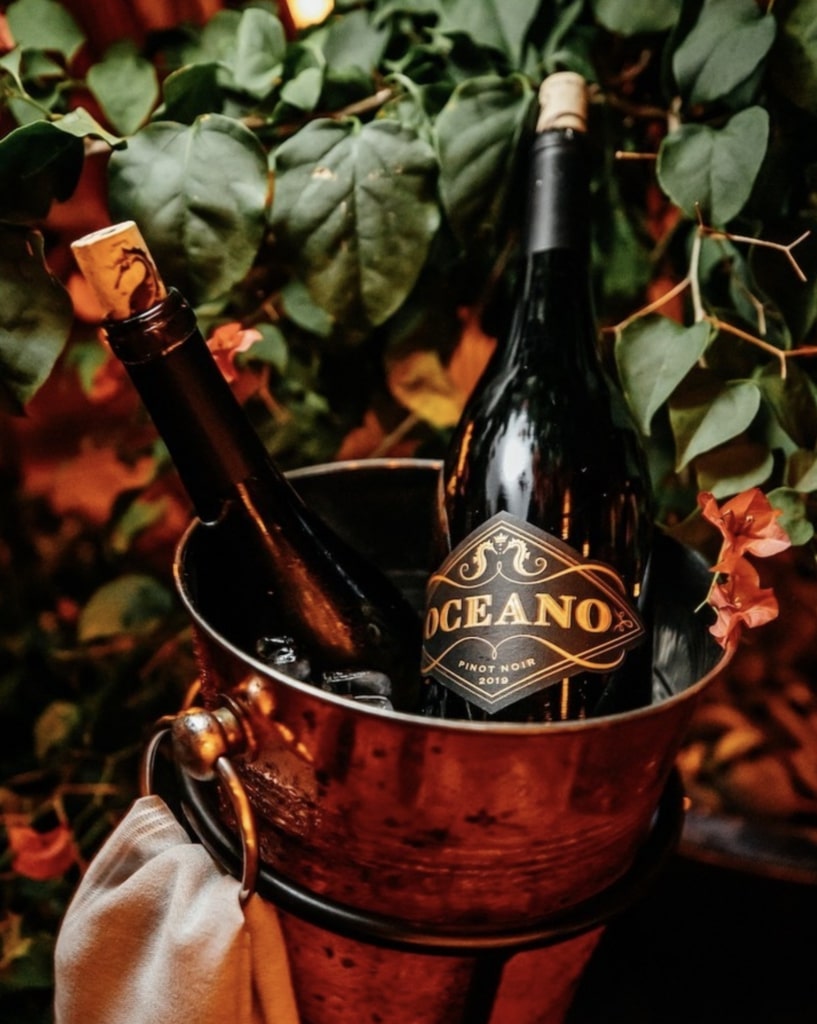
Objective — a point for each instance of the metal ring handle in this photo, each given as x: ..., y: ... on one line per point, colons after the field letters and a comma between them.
x: 222, y: 769
x: 148, y: 761
x: 247, y: 828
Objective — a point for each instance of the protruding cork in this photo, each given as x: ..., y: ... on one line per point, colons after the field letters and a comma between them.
x: 120, y: 270
x: 563, y: 102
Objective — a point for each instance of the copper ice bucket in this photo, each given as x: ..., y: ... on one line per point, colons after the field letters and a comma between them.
x: 474, y: 827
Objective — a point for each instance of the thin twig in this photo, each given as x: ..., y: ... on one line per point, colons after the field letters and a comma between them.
x: 695, y: 281
x: 364, y: 106
x: 279, y: 413
x: 625, y: 154
x: 764, y: 243
x: 638, y: 110
x: 692, y: 280
x: 723, y: 325
x: 399, y: 432
x: 653, y: 306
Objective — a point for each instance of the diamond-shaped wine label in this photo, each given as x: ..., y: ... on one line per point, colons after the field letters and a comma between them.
x: 513, y: 609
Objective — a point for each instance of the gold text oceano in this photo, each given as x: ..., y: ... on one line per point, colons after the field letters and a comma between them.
x: 476, y: 611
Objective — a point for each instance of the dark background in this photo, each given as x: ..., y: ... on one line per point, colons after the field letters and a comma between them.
x: 706, y: 945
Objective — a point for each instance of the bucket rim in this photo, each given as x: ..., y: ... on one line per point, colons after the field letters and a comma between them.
x: 312, y: 691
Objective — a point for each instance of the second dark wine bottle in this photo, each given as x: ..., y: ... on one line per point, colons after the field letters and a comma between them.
x: 321, y: 602
x: 533, y: 614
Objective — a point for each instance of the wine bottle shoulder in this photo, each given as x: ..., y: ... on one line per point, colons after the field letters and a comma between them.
x: 564, y: 461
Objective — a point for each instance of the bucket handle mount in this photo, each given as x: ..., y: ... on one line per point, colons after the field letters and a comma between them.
x: 203, y: 742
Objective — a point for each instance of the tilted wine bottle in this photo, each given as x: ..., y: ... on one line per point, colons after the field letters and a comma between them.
x: 533, y: 614
x: 342, y: 612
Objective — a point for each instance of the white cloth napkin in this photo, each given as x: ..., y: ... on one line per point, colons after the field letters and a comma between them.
x: 155, y: 935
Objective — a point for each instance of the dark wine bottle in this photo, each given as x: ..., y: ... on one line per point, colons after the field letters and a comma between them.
x: 341, y: 613
x: 533, y: 614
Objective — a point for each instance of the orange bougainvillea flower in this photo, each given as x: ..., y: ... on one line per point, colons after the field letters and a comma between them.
x: 227, y: 341
x: 739, y: 601
x: 748, y: 523
x: 41, y: 855
x: 6, y: 38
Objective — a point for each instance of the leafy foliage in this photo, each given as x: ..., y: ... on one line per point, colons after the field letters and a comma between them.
x: 33, y: 332
x: 201, y: 192
x: 714, y: 169
x: 346, y: 202
x: 356, y: 212
x: 376, y: 160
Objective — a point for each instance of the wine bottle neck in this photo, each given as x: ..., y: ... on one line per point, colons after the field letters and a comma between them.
x: 202, y: 423
x: 152, y: 332
x: 555, y: 317
x: 559, y: 217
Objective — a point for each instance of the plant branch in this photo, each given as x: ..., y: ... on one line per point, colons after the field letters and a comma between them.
x: 390, y: 440
x: 364, y: 106
x: 643, y: 111
x: 700, y: 315
x: 653, y: 306
x: 625, y: 154
x: 694, y: 277
x: 727, y: 328
x: 779, y: 246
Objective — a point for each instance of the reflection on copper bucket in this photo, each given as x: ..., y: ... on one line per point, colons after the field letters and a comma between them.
x: 438, y: 824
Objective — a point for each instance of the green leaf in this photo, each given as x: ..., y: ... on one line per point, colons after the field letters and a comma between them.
x: 626, y: 263
x: 33, y: 968
x: 300, y: 307
x: 410, y: 104
x: 653, y: 355
x: 355, y: 206
x: 55, y: 725
x: 133, y: 603
x: 125, y: 85
x: 259, y: 52
x: 38, y: 164
x: 44, y: 25
x: 626, y: 18
x: 11, y: 67
x: 36, y: 314
x: 309, y: 81
x: 343, y: 87
x: 190, y: 92
x: 793, y: 399
x: 82, y: 125
x: 706, y: 412
x: 86, y: 358
x: 733, y: 468
x: 304, y: 90
x: 216, y: 42
x: 272, y: 349
x: 715, y: 169
x: 355, y: 41
x: 137, y: 517
x: 794, y: 518
x: 499, y: 24
x: 801, y: 471
x: 38, y: 80
x: 727, y: 46
x: 793, y: 61
x: 200, y: 194
x: 477, y: 135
